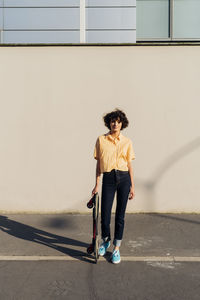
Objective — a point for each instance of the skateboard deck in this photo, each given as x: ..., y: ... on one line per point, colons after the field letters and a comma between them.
x: 94, y: 246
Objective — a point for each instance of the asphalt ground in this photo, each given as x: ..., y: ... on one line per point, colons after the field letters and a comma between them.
x: 44, y: 257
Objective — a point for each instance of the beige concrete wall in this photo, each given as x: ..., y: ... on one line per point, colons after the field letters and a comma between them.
x: 51, y: 104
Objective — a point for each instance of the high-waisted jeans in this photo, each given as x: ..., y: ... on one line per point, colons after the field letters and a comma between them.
x: 120, y: 182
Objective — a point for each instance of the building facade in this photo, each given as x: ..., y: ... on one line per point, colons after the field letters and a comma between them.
x: 98, y: 21
x: 53, y: 98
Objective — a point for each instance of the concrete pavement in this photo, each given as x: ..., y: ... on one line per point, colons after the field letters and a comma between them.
x: 69, y: 234
x: 44, y: 257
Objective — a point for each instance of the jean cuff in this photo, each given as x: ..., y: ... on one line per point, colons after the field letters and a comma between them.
x: 117, y: 243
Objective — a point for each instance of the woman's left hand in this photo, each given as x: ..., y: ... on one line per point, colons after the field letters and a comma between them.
x: 131, y: 193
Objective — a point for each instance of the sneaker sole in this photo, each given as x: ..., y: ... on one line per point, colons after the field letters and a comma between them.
x: 116, y: 262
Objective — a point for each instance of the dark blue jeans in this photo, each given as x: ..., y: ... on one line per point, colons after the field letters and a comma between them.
x: 120, y: 182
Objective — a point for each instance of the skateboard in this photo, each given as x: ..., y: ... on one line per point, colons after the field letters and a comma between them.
x: 94, y: 246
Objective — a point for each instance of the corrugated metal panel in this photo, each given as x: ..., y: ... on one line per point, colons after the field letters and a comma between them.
x: 110, y: 2
x: 41, y: 37
x: 39, y: 3
x: 41, y: 18
x: 114, y: 36
x: 111, y: 18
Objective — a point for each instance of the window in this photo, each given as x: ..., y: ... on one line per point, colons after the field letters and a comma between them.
x: 174, y: 20
x: 153, y: 19
x: 186, y: 19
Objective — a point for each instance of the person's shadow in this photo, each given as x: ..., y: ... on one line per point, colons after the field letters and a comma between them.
x: 42, y: 237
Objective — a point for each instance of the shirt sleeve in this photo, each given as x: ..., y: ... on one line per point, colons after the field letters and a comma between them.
x: 130, y: 152
x: 96, y: 149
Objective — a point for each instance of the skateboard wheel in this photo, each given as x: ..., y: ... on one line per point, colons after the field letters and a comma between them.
x: 90, y: 204
x: 90, y: 249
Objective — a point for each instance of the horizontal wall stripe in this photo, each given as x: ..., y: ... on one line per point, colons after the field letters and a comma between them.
x: 111, y: 29
x: 31, y: 36
x: 32, y: 7
x: 111, y: 6
x: 103, y: 18
x: 38, y: 3
x: 110, y: 36
x: 46, y: 30
x: 74, y: 6
x: 27, y: 18
x: 110, y: 2
x: 69, y: 7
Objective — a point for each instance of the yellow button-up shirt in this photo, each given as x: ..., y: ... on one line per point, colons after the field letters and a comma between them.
x: 113, y: 153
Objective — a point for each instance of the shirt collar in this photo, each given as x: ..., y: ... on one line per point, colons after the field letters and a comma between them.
x: 109, y: 136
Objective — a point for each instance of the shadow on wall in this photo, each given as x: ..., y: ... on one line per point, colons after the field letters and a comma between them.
x: 147, y: 188
x: 45, y: 238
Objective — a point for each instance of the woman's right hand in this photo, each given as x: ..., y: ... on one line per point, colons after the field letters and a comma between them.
x: 95, y: 190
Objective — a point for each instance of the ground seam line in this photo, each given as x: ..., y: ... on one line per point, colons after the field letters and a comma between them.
x: 124, y: 258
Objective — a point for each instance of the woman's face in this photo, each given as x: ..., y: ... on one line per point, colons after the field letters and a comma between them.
x: 115, y: 125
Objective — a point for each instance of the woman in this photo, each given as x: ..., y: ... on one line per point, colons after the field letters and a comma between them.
x: 114, y: 152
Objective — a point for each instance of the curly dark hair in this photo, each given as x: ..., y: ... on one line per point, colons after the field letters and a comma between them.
x: 117, y: 114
